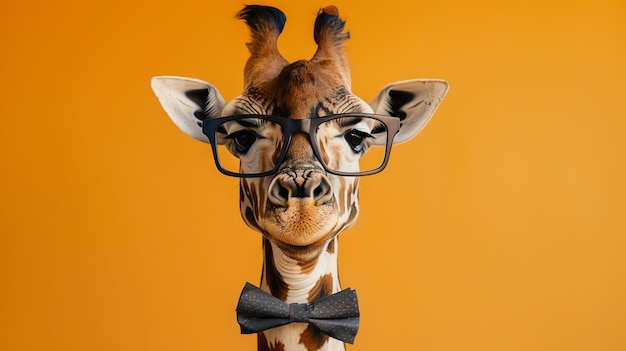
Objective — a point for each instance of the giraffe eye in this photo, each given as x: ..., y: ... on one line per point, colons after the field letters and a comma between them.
x: 356, y: 139
x: 243, y: 140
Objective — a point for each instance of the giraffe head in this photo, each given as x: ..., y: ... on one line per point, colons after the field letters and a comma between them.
x: 299, y: 136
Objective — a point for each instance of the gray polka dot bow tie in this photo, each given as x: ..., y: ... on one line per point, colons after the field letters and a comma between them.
x: 336, y: 315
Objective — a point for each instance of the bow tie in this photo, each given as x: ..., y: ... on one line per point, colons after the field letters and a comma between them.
x: 336, y: 315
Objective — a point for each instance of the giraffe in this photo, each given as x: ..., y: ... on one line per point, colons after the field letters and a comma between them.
x: 298, y: 136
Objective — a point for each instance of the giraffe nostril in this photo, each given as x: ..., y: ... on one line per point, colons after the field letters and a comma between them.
x: 323, y: 192
x: 283, y: 193
x: 319, y: 190
x: 279, y: 191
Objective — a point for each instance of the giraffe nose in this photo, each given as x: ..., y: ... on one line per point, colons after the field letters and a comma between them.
x: 304, y: 185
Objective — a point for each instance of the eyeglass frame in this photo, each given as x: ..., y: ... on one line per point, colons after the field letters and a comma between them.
x: 307, y: 126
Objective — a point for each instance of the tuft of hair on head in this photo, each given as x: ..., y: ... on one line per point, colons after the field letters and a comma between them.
x: 265, y: 23
x: 265, y: 61
x: 329, y: 27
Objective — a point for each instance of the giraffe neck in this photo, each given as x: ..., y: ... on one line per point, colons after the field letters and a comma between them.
x: 293, y: 282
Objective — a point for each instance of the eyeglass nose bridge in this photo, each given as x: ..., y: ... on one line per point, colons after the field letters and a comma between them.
x: 299, y: 126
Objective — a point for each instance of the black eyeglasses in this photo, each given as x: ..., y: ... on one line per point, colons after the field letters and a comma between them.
x: 255, y: 145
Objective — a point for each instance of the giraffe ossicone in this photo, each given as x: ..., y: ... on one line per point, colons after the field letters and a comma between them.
x: 299, y: 140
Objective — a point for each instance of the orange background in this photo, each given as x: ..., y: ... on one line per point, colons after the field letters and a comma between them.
x: 500, y: 227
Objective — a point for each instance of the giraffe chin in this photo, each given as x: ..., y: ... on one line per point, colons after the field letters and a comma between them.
x: 302, y: 224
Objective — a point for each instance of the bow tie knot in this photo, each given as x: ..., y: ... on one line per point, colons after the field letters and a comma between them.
x: 299, y: 312
x: 336, y: 315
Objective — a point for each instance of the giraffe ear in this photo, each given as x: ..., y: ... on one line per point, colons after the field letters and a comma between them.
x: 413, y: 101
x: 188, y: 102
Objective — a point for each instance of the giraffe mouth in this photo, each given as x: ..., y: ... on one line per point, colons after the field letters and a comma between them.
x: 301, y: 223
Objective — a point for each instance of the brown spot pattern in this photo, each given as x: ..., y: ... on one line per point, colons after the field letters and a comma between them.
x: 342, y: 195
x: 331, y: 247
x: 261, y: 203
x: 322, y: 288
x: 275, y: 281
x: 254, y: 199
x: 264, y: 345
x: 349, y: 192
x: 307, y: 267
x: 246, y: 188
x: 322, y: 146
x: 312, y: 338
x: 300, y: 253
x: 250, y: 218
